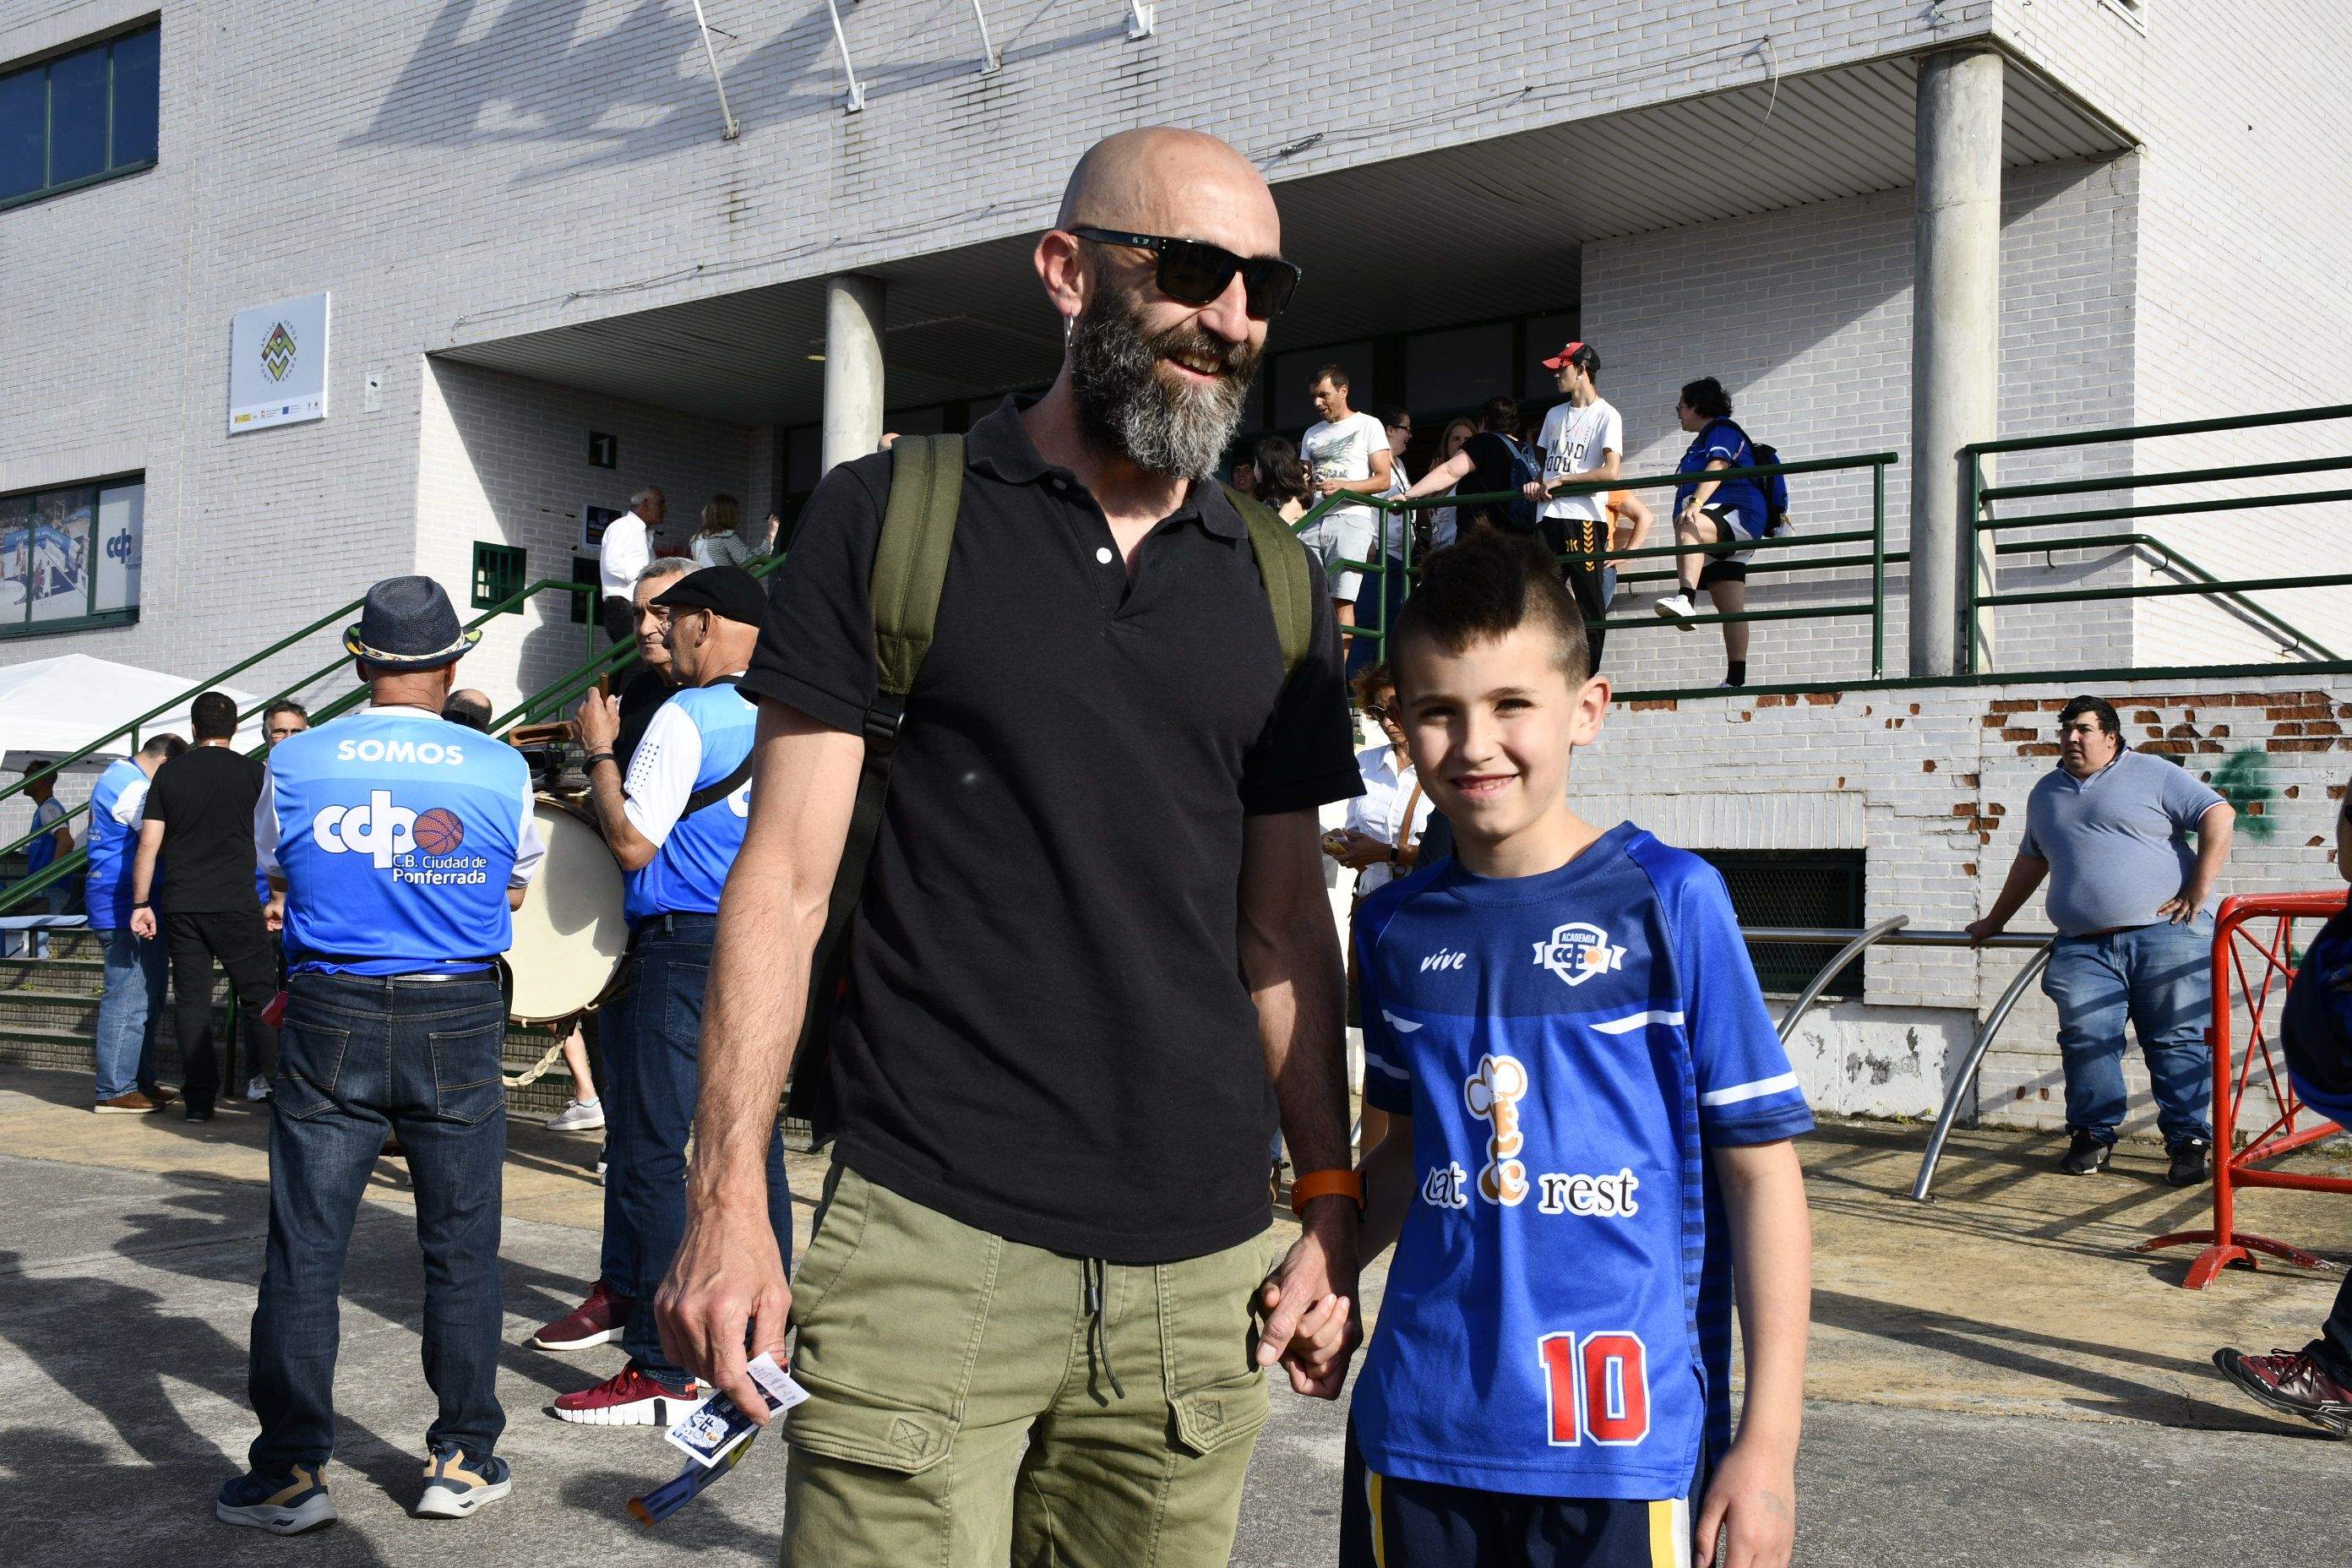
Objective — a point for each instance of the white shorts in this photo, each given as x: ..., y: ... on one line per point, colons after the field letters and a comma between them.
x: 1346, y: 534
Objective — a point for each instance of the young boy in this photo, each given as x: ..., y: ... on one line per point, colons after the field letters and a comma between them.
x: 1591, y: 1116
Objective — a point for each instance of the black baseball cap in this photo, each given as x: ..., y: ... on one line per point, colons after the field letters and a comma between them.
x: 728, y: 591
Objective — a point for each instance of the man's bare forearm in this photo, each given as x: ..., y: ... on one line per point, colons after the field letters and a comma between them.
x: 2025, y: 874
x: 1290, y: 958
x: 759, y: 990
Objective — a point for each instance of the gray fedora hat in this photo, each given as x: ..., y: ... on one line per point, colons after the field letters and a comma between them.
x: 408, y: 623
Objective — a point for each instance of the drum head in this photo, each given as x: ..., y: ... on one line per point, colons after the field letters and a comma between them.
x: 570, y: 935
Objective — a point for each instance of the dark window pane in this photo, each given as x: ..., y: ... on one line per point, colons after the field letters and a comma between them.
x: 24, y: 110
x: 134, y: 99
x: 78, y: 115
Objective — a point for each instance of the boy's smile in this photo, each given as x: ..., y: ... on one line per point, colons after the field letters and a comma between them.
x: 1491, y: 729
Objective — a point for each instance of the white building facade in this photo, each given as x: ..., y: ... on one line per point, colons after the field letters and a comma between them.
x: 537, y: 226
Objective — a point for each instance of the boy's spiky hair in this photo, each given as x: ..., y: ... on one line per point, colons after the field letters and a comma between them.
x: 1487, y: 587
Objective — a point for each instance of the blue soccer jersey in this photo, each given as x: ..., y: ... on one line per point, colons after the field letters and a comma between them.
x: 1569, y: 1045
x: 398, y: 835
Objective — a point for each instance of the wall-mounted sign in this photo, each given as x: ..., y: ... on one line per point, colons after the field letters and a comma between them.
x: 278, y: 365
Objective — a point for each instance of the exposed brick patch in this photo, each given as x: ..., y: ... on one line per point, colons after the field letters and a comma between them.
x: 1928, y: 766
x: 1654, y: 705
x: 2019, y: 735
x: 2144, y: 716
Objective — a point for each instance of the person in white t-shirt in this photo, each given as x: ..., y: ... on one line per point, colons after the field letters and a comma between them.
x: 626, y: 547
x: 1345, y: 451
x: 1583, y: 438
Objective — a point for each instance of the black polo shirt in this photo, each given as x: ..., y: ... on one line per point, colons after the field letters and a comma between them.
x: 1046, y: 1034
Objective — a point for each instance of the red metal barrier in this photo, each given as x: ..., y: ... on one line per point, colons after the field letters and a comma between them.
x: 2251, y: 961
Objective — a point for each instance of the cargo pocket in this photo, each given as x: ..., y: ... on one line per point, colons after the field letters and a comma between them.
x: 864, y: 1428
x: 886, y: 1347
x: 466, y: 1086
x: 308, y: 1059
x: 1216, y: 1393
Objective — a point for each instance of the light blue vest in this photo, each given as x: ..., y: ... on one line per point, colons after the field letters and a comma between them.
x: 688, y: 872
x: 113, y: 849
x: 397, y: 834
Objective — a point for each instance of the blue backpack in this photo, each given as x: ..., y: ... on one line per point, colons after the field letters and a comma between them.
x: 1775, y: 490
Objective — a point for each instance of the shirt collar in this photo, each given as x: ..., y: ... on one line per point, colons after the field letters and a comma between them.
x: 999, y: 445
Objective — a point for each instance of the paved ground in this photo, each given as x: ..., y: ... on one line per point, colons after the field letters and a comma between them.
x: 1996, y: 1379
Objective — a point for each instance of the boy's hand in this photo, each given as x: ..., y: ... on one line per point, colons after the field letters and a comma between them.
x: 1310, y: 1303
x: 1753, y: 1500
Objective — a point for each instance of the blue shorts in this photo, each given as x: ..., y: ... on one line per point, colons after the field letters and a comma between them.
x: 1389, y: 1523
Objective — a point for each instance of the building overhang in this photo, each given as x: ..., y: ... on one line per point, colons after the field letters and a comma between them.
x: 1469, y: 232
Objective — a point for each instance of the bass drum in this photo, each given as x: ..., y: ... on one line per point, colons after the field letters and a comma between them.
x: 569, y: 936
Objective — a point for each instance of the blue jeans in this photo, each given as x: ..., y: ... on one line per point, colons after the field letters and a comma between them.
x: 361, y: 1056
x: 129, y: 1013
x: 2158, y: 977
x: 653, y: 1068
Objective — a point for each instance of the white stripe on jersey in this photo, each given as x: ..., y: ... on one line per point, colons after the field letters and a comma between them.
x: 1755, y: 1090
x: 1627, y: 1025
x: 1373, y: 1062
x: 1402, y: 1026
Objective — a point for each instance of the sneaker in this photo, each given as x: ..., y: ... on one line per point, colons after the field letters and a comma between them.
x: 2188, y: 1162
x: 1677, y: 608
x: 598, y: 1321
x: 577, y: 1117
x: 2085, y: 1155
x: 630, y: 1398
x: 2292, y: 1381
x: 132, y: 1104
x: 194, y: 1113
x: 286, y: 1504
x: 257, y: 1088
x: 455, y: 1486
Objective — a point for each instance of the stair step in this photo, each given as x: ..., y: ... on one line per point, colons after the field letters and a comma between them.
x: 51, y: 998
x: 42, y: 1035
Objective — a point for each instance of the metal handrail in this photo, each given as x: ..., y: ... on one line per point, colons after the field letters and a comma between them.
x: 74, y: 859
x: 1897, y: 932
x: 1977, y: 595
x: 131, y: 728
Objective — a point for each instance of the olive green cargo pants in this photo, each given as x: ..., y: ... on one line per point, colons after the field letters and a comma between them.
x: 974, y: 1402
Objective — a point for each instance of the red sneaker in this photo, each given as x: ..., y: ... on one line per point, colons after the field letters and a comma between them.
x: 630, y: 1398
x: 2292, y: 1381
x: 598, y: 1321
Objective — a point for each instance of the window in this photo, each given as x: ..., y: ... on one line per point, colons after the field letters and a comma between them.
x: 1793, y: 888
x: 1454, y: 370
x: 584, y: 569
x: 1293, y: 409
x: 69, y: 557
x: 79, y: 117
x: 500, y: 572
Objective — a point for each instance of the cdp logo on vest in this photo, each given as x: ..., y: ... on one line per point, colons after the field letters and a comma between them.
x: 378, y: 829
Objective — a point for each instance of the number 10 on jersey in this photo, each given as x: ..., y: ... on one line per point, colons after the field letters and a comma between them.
x: 1598, y: 1387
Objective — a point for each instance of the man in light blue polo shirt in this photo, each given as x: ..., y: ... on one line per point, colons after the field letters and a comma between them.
x: 2133, y: 905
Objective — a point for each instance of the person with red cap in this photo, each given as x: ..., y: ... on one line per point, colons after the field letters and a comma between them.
x: 1583, y: 438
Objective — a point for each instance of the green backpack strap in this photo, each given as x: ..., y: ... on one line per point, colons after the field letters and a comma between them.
x: 1282, y: 567
x: 910, y: 567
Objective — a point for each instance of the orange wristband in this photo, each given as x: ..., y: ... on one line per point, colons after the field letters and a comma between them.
x: 1325, y: 1184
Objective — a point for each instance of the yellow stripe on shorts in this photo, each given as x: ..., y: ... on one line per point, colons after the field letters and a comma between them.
x: 1670, y: 1534
x: 1379, y: 1526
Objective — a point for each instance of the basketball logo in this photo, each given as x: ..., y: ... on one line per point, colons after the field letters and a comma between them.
x: 439, y: 831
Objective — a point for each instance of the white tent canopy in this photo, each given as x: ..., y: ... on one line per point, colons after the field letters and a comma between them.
x: 51, y: 708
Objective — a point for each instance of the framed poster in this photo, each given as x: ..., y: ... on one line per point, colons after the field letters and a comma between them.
x: 592, y: 520
x: 278, y: 365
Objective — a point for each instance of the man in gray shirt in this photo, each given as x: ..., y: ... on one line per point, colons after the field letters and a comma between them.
x: 2133, y: 905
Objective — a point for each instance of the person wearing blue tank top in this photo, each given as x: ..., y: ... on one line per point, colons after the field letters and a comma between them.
x: 675, y: 822
x: 1589, y: 1142
x: 397, y: 845
x: 130, y: 1007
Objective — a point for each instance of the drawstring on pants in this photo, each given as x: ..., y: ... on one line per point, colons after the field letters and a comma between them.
x: 1098, y: 1278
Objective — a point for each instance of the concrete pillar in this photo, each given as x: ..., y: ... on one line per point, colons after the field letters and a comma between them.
x: 852, y: 368
x: 1955, y: 338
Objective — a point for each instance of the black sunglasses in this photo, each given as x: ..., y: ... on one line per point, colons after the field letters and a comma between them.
x: 1195, y: 272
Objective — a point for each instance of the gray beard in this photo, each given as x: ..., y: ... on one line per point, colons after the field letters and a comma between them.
x: 1125, y: 403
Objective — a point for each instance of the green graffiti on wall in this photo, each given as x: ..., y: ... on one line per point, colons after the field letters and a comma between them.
x: 2243, y: 780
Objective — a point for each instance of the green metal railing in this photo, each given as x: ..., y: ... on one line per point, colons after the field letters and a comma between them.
x: 1976, y: 600
x: 1875, y: 536
x: 70, y: 864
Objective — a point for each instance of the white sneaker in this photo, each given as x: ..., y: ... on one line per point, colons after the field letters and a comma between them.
x: 577, y: 1117
x: 257, y: 1088
x: 1677, y: 608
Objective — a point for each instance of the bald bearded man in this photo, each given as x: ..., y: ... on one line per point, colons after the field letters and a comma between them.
x: 1092, y: 956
